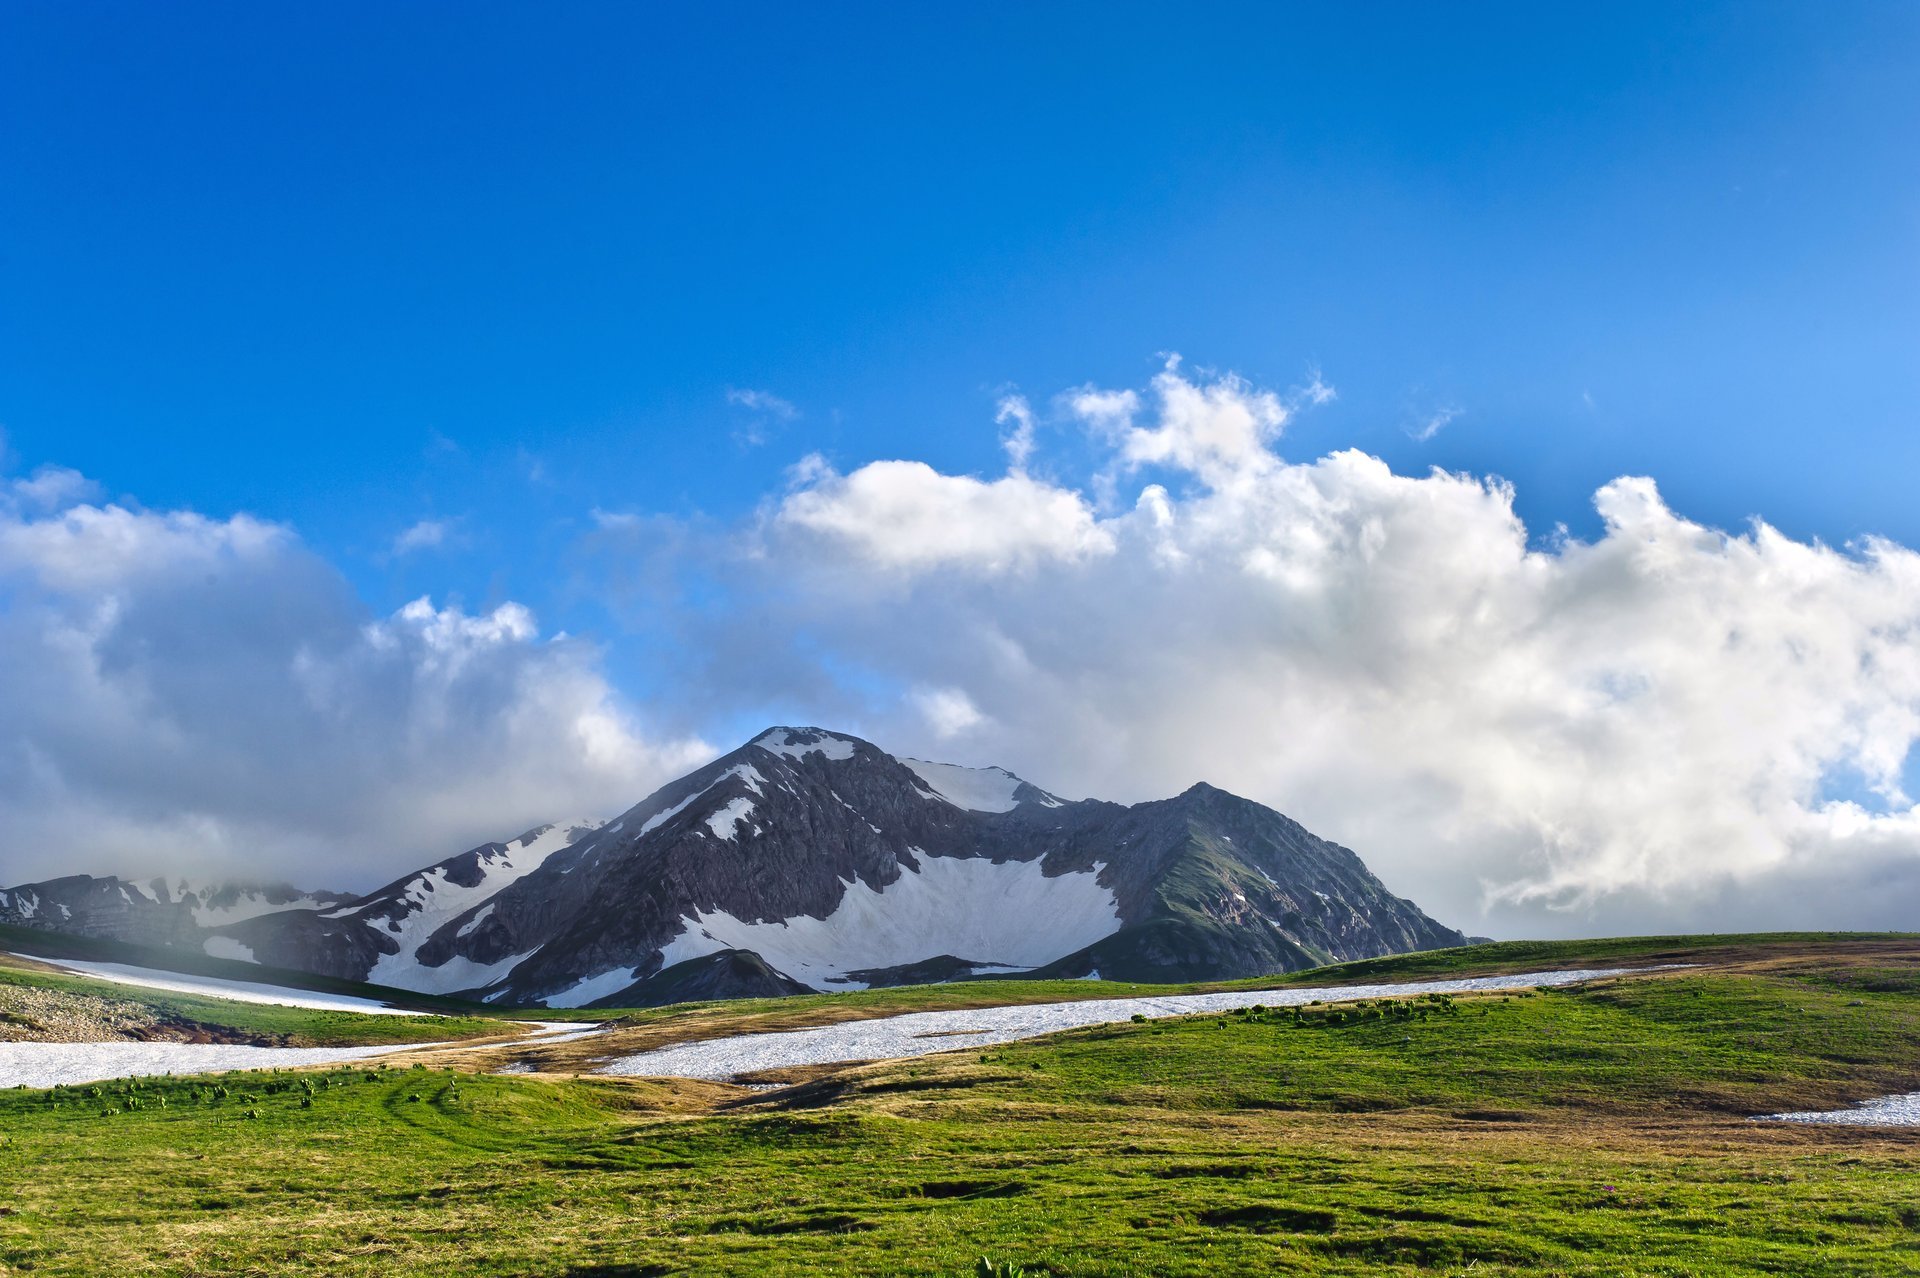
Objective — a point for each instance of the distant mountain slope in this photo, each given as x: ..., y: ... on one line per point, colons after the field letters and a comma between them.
x: 175, y: 912
x: 812, y: 859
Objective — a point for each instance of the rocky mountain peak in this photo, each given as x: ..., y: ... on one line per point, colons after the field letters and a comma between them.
x: 813, y: 859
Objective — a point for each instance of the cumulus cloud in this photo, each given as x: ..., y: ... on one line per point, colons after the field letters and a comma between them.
x: 1635, y: 729
x: 904, y: 516
x: 1666, y: 726
x: 207, y: 693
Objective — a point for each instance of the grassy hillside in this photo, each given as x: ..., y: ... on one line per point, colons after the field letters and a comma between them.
x: 1595, y: 1131
x: 40, y: 1004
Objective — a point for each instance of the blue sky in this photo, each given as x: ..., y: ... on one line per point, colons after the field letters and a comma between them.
x: 499, y: 267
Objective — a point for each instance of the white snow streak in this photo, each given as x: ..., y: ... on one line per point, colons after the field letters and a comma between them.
x: 437, y: 901
x: 595, y: 987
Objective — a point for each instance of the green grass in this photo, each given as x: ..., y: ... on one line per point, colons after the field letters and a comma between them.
x: 1596, y: 1131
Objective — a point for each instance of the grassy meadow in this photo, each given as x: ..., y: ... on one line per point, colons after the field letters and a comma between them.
x: 1601, y: 1129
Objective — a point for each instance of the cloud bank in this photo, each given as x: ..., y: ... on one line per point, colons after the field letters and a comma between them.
x: 1668, y: 726
x: 1641, y: 730
x: 203, y: 694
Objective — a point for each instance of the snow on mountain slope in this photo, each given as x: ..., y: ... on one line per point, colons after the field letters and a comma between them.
x: 797, y: 743
x: 1008, y: 913
x: 216, y: 905
x: 976, y: 789
x: 605, y: 985
x: 421, y: 905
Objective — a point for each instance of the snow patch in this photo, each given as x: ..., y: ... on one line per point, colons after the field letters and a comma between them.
x: 797, y: 743
x: 226, y: 947
x: 51, y: 1064
x: 722, y: 823
x: 246, y: 905
x: 474, y: 922
x: 432, y: 900
x: 585, y: 991
x: 924, y: 1033
x: 1008, y: 913
x: 747, y: 774
x: 1886, y: 1111
x: 976, y: 789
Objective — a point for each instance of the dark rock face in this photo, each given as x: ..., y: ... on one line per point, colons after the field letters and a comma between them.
x: 812, y: 860
x: 727, y: 974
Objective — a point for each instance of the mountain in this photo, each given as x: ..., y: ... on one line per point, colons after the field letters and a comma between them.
x: 175, y: 912
x: 403, y: 934
x: 809, y: 859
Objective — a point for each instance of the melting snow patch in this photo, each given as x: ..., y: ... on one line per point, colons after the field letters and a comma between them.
x: 47, y: 1064
x: 1008, y: 913
x: 227, y: 948
x: 1887, y: 1111
x: 921, y: 1033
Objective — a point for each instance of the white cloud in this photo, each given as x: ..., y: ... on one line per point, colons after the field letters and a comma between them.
x: 209, y: 693
x: 1316, y: 392
x: 49, y: 488
x: 1015, y: 416
x: 424, y: 535
x: 764, y: 414
x: 760, y: 401
x: 949, y: 712
x: 1433, y: 423
x: 1636, y: 732
x: 1613, y: 733
x: 906, y: 516
x: 1219, y: 430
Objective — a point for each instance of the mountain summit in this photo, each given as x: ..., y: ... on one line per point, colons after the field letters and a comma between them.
x: 812, y: 860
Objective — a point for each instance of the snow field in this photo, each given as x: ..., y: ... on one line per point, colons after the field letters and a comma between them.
x: 1009, y: 914
x: 923, y: 1033
x: 977, y: 789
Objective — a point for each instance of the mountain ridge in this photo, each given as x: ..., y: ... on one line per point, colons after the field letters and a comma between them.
x: 812, y: 859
